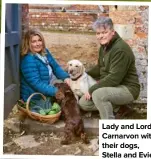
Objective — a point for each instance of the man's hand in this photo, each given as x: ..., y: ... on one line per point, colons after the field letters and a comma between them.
x: 87, y: 96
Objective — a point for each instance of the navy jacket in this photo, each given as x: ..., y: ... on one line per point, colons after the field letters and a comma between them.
x: 35, y: 75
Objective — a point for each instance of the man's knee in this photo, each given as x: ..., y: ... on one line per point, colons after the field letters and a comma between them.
x: 86, y: 105
x: 82, y: 103
x: 99, y: 94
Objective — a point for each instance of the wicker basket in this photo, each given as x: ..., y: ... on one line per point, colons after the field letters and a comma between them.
x: 36, y: 116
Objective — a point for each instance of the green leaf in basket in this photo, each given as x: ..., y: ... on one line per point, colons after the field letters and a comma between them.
x: 47, y: 111
x: 42, y: 112
x: 52, y: 112
x: 56, y: 107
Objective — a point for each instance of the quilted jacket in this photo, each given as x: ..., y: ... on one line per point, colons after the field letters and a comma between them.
x: 35, y: 75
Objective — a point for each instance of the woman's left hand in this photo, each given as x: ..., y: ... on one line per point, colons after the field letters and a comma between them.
x: 67, y: 81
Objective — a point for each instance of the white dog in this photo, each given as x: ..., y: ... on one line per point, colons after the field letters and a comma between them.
x: 80, y: 81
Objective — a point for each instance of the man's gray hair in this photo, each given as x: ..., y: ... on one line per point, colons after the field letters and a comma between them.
x: 104, y: 22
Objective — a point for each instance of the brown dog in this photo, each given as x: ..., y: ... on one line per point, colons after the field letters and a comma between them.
x: 73, y: 121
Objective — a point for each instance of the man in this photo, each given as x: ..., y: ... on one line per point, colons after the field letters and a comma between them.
x: 116, y: 73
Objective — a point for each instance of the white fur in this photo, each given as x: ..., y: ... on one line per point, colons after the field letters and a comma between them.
x: 84, y: 82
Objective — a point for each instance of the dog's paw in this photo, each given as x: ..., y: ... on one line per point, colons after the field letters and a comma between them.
x: 88, y: 115
x: 84, y: 138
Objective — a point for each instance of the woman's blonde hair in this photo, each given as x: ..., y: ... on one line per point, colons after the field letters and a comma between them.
x: 26, y: 41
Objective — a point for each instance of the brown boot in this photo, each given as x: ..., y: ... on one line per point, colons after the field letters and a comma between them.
x: 123, y: 111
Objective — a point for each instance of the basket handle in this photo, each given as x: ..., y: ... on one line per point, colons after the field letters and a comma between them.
x: 28, y: 101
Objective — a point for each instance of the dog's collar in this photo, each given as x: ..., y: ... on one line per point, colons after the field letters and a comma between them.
x: 74, y: 79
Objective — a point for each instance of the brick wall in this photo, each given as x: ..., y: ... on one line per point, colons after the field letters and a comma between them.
x: 64, y: 18
x: 25, y: 17
x: 136, y: 16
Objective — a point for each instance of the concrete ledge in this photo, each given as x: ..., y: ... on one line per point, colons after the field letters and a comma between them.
x: 91, y: 126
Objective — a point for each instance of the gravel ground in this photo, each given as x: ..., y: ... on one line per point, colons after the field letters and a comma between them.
x: 46, y: 143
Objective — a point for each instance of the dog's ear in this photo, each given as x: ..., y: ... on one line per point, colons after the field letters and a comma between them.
x: 82, y: 69
x: 59, y: 95
x: 66, y: 67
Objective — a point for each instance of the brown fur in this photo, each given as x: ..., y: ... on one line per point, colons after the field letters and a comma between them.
x: 73, y: 121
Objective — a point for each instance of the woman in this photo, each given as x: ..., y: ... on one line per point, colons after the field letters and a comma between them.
x: 39, y: 70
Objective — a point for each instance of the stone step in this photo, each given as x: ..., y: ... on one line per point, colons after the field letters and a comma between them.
x: 91, y: 126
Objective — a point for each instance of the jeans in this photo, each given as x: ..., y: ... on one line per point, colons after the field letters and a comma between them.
x: 103, y: 100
